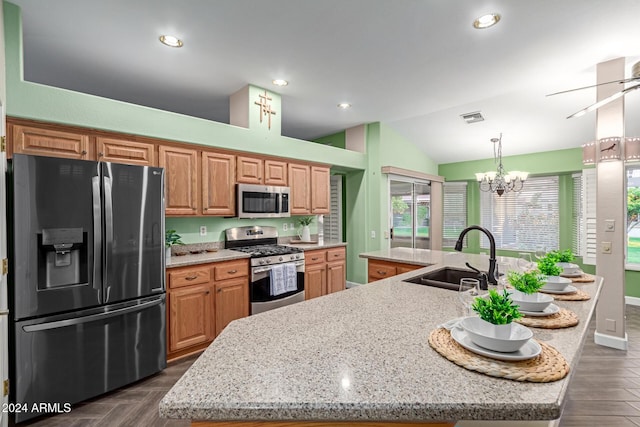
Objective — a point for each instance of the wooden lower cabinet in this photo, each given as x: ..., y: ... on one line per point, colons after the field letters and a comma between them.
x: 231, y: 302
x: 378, y: 269
x: 190, y: 313
x: 202, y: 300
x: 325, y: 272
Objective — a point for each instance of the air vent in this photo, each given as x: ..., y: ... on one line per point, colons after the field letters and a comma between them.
x: 472, y: 117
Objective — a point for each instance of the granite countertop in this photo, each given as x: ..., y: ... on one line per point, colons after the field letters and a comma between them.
x: 227, y: 254
x: 363, y: 354
x: 203, y: 258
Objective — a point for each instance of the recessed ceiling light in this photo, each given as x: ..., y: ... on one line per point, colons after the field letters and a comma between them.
x: 280, y: 82
x: 344, y: 105
x: 486, y: 21
x: 171, y: 41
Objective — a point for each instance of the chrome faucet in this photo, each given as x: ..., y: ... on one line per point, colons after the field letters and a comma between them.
x: 492, y: 250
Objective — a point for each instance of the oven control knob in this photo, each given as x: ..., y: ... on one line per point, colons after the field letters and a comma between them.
x: 292, y: 257
x: 280, y: 259
x: 261, y: 261
x: 297, y: 256
x: 268, y: 260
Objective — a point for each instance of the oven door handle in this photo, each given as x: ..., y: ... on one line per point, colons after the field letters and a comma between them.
x: 268, y: 267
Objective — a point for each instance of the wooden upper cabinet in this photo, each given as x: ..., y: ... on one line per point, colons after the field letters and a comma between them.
x: 320, y: 190
x: 181, y: 192
x: 275, y: 172
x: 300, y: 183
x: 123, y: 151
x: 42, y: 141
x: 218, y: 184
x: 250, y: 170
x: 254, y: 170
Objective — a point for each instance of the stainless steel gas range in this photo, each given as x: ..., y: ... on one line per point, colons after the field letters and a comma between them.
x: 277, y: 271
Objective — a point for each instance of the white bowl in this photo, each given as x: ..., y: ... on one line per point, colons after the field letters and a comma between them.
x: 556, y: 283
x: 568, y: 268
x: 531, y: 302
x: 502, y: 338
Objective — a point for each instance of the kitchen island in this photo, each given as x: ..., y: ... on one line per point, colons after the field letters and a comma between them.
x: 362, y: 355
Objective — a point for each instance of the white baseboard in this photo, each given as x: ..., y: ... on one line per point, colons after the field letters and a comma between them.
x: 632, y: 300
x: 611, y: 341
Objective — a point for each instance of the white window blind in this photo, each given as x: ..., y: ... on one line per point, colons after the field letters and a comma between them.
x: 333, y: 222
x: 525, y: 220
x: 455, y: 212
x: 577, y: 217
x: 588, y: 241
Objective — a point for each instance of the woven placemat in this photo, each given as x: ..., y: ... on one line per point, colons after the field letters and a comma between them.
x: 585, y: 278
x: 579, y: 295
x: 548, y: 366
x: 562, y: 319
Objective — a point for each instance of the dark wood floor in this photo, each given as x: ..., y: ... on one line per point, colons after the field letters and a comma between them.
x: 136, y: 405
x: 604, y: 392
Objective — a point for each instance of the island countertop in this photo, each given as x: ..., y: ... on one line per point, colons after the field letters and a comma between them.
x: 363, y: 355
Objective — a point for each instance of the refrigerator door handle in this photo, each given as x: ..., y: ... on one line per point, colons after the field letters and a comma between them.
x: 108, y: 220
x: 92, y: 317
x: 97, y: 237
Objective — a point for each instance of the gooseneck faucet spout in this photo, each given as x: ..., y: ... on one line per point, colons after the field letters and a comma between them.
x: 492, y: 250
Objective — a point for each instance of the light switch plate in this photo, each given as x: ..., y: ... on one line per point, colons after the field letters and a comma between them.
x: 610, y: 225
x: 373, y: 234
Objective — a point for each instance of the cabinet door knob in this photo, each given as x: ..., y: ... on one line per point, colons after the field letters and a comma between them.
x: 83, y: 152
x: 207, y: 293
x: 191, y: 277
x: 100, y: 154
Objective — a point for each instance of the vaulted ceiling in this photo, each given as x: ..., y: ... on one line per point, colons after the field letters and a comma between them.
x: 415, y: 65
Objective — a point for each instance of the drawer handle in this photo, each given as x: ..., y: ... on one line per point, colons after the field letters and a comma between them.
x: 382, y: 273
x: 336, y: 254
x: 232, y: 271
x: 315, y: 259
x: 194, y: 277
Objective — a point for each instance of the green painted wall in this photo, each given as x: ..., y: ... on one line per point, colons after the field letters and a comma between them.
x: 338, y: 140
x: 189, y: 228
x: 562, y: 163
x: 550, y: 162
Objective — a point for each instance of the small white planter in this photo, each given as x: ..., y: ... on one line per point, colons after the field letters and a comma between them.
x: 556, y: 283
x: 167, y: 254
x: 531, y: 302
x: 502, y: 338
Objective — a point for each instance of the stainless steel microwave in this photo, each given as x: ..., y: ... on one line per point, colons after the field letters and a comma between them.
x: 262, y: 201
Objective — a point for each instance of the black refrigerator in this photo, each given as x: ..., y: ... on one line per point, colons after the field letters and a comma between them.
x: 86, y: 283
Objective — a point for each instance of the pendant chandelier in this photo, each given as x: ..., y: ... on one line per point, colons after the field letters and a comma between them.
x: 499, y: 181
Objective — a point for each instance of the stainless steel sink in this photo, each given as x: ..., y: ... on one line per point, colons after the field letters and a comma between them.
x: 446, y: 278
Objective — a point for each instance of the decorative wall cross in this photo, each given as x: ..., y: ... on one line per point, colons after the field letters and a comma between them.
x: 265, y: 107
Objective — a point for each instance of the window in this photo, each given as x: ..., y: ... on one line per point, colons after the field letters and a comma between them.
x: 633, y: 216
x: 588, y: 242
x: 455, y: 212
x: 332, y: 223
x: 525, y: 220
x: 409, y: 212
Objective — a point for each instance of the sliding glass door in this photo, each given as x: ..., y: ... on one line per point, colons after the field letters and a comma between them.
x: 410, y: 210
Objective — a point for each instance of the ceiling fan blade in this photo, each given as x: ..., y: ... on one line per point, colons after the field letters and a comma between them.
x: 631, y: 79
x: 604, y: 101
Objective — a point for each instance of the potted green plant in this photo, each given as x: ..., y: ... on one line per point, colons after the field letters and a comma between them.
x: 497, y: 309
x: 526, y: 294
x: 171, y: 238
x: 305, y: 231
x: 494, y: 329
x: 547, y: 265
x: 562, y: 256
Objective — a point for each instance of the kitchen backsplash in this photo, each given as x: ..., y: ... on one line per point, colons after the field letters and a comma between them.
x: 189, y: 228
